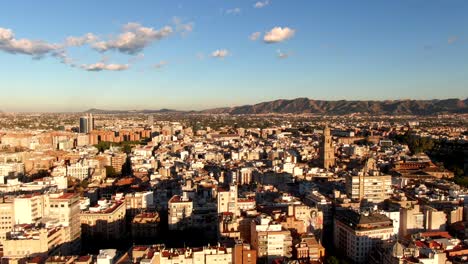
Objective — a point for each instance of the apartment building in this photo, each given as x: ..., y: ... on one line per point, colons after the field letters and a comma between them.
x: 270, y: 239
x: 180, y: 212
x: 33, y: 240
x: 104, y: 221
x: 355, y: 234
x: 65, y: 207
x: 369, y: 184
x: 145, y: 225
x: 227, y: 200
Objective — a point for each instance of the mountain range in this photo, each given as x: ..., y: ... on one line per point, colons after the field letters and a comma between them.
x: 145, y: 111
x: 323, y: 107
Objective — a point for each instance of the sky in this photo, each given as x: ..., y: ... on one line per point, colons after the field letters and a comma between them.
x: 192, y: 55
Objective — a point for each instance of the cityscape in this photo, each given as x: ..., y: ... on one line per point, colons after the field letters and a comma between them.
x: 279, y: 132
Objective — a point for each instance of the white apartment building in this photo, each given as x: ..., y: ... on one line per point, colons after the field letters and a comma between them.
x: 180, y: 213
x: 28, y: 208
x: 270, y: 239
x: 78, y: 171
x: 227, y: 200
x: 368, y: 184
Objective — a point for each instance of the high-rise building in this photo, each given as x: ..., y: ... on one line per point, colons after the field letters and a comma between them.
x: 86, y: 123
x: 327, y: 152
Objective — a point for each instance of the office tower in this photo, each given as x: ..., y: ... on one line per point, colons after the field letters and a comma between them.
x: 327, y: 152
x: 86, y: 123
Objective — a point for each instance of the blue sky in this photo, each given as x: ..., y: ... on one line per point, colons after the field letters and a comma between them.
x: 203, y: 54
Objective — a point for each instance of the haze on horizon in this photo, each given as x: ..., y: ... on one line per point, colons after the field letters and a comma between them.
x: 194, y: 55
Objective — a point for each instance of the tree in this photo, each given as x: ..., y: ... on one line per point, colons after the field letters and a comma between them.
x: 127, y: 167
x: 110, y: 171
x: 103, y: 145
x: 127, y: 148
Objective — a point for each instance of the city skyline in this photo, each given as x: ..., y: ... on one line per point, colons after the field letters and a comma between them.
x: 188, y: 55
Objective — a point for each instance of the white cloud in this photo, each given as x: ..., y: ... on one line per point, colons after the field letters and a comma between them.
x: 261, y: 4
x: 183, y: 28
x: 234, y: 11
x: 220, y: 53
x: 133, y: 39
x: 35, y: 48
x: 62, y: 55
x: 278, y: 34
x: 282, y: 55
x: 101, y: 66
x: 160, y: 64
x: 80, y: 41
x: 452, y: 39
x: 254, y: 36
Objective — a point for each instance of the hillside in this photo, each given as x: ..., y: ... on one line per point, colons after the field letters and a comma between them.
x: 394, y: 107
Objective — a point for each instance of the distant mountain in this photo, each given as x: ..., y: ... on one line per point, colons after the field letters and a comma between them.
x: 145, y: 111
x: 342, y: 107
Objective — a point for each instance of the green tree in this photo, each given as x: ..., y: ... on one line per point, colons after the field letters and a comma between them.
x: 110, y: 171
x: 127, y: 167
x: 127, y: 148
x: 103, y: 145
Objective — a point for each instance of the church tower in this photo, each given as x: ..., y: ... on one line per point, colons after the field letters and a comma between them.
x: 327, y: 152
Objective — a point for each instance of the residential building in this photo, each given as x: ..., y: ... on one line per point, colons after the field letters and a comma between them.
x: 33, y: 240
x: 356, y: 234
x: 368, y: 184
x: 227, y: 200
x: 65, y: 207
x: 145, y: 225
x: 180, y: 212
x: 270, y: 239
x: 104, y: 221
x: 243, y: 254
